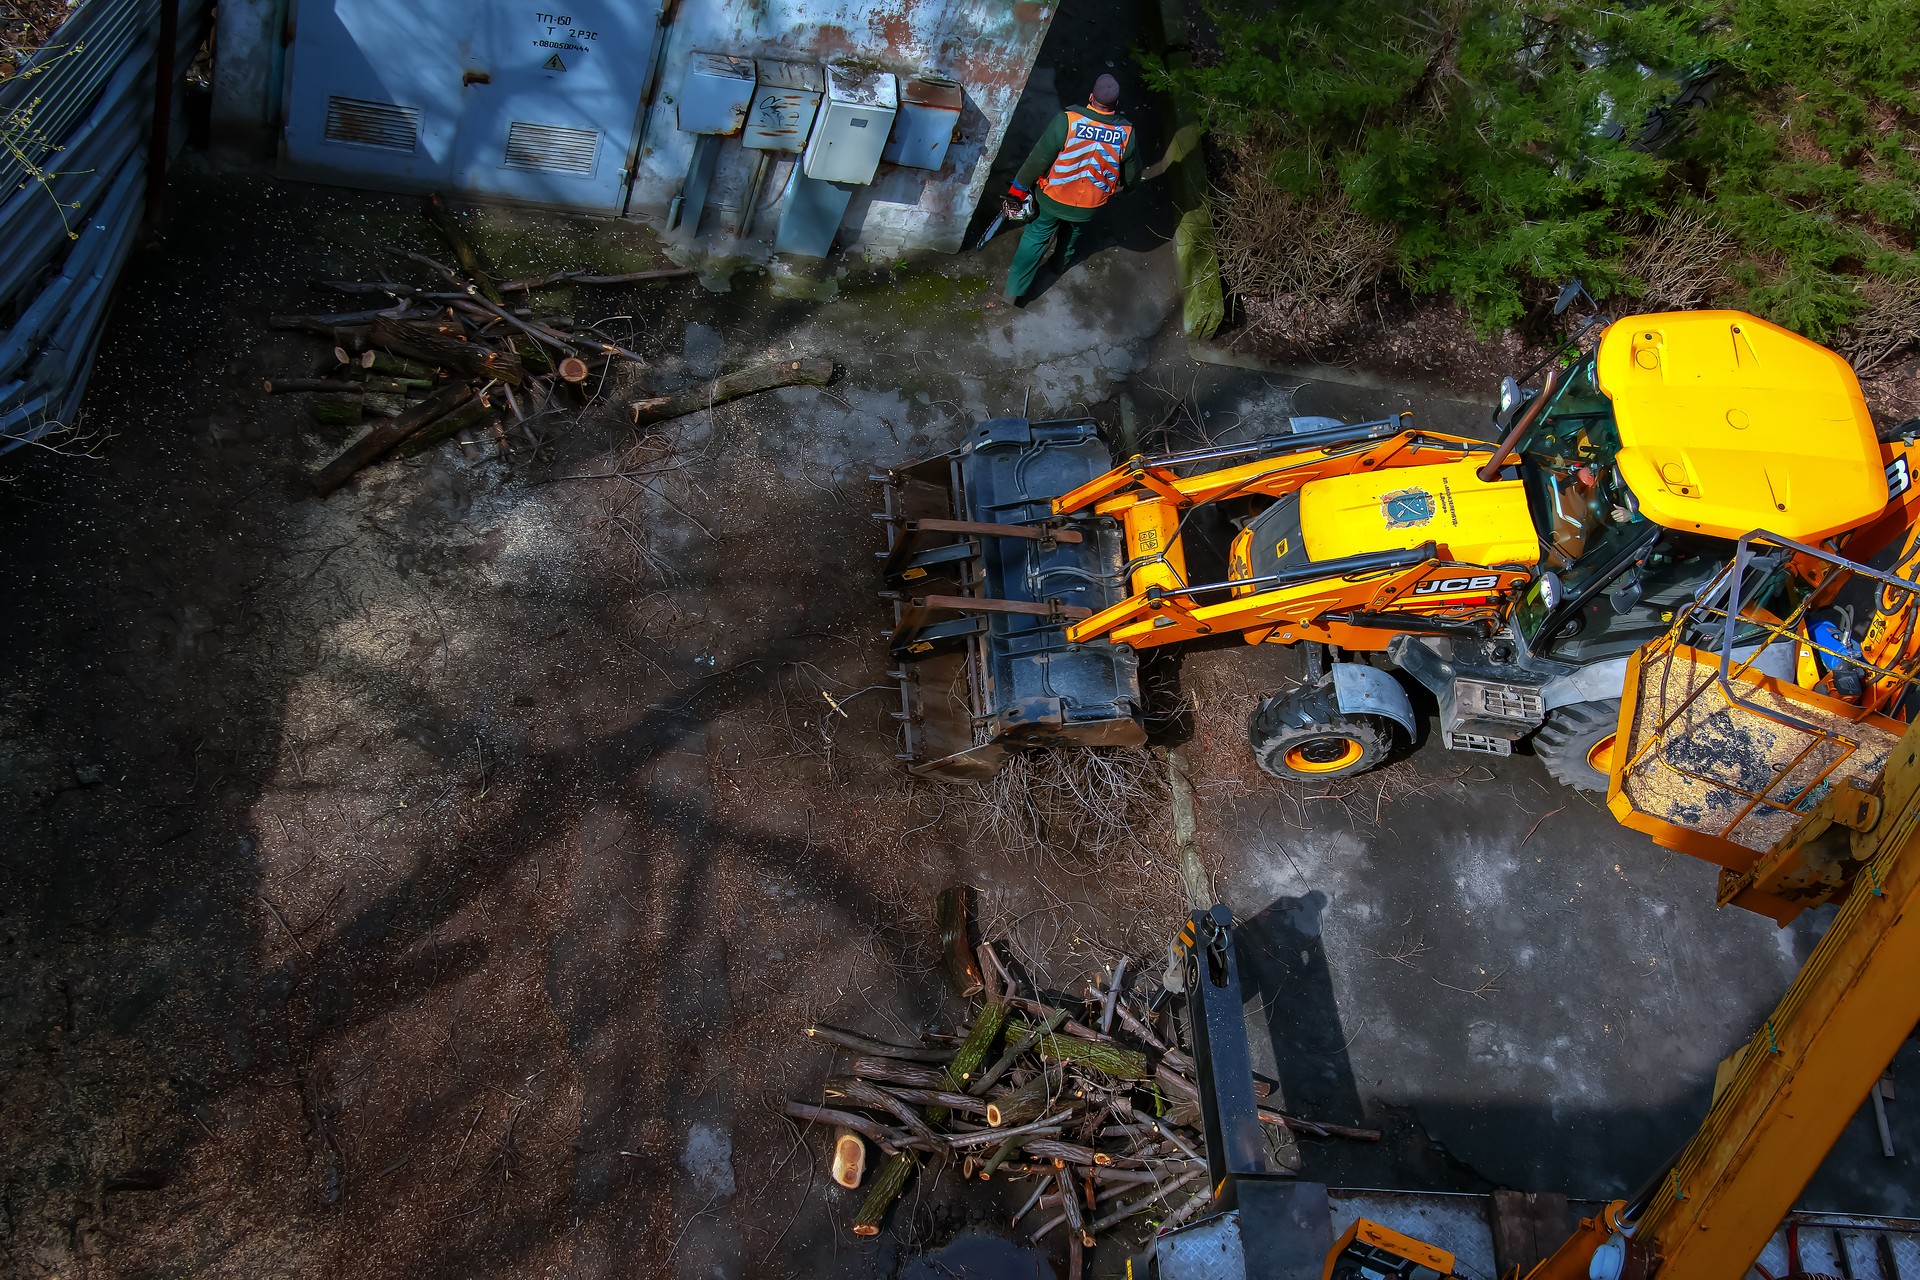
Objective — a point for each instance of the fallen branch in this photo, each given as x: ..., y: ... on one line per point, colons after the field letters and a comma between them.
x: 1070, y: 1203
x: 886, y: 1139
x: 1040, y: 1128
x: 1071, y: 1153
x: 958, y: 1102
x: 582, y: 277
x: 1027, y: 1208
x: 394, y: 386
x: 1113, y: 994
x: 787, y: 373
x: 1140, y: 1029
x: 1317, y: 1128
x: 892, y: 1071
x: 867, y: 1044
x: 999, y: 1157
x: 1126, y: 1211
x: 337, y: 410
x: 1071, y: 1027
x: 451, y: 424
x: 874, y: 1098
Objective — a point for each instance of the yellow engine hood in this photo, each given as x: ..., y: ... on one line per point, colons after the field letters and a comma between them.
x: 1729, y: 424
x: 1401, y: 507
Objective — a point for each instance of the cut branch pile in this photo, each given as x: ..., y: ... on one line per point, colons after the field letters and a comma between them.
x: 450, y: 359
x: 1101, y: 1117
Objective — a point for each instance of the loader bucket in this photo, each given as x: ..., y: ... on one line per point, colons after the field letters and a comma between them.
x: 984, y: 581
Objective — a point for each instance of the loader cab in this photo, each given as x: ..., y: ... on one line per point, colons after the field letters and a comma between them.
x: 1610, y: 578
x: 1680, y: 433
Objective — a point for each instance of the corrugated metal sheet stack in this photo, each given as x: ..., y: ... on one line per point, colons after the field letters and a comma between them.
x: 77, y: 119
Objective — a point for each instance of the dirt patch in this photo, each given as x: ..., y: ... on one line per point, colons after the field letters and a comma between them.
x: 1893, y: 390
x: 1430, y: 343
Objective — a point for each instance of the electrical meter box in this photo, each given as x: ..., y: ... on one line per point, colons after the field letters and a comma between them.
x: 929, y: 114
x: 785, y: 100
x: 853, y: 126
x: 715, y: 94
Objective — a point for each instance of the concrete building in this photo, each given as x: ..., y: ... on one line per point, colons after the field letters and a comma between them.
x: 736, y: 127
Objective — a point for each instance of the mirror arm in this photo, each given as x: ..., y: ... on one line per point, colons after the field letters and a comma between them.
x: 1491, y: 471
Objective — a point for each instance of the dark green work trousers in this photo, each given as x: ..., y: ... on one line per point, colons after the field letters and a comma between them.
x: 1035, y: 244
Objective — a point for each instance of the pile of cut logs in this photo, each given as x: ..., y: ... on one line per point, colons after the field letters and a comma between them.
x: 439, y: 361
x: 1101, y: 1116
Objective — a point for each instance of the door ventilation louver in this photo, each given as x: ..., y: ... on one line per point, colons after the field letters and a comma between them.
x: 359, y: 123
x: 550, y: 148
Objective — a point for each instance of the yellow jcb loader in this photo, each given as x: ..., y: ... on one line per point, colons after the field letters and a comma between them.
x: 1513, y: 579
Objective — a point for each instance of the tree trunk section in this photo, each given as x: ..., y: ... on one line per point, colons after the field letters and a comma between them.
x: 1016, y: 1052
x: 952, y: 914
x: 887, y: 1186
x: 375, y: 444
x: 1108, y: 1059
x: 445, y: 352
x: 972, y: 1052
x: 849, y: 1158
x: 394, y: 366
x: 451, y: 424
x: 1028, y: 1102
x: 339, y: 410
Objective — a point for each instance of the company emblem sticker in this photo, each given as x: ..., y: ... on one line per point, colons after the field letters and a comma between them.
x: 1407, y: 508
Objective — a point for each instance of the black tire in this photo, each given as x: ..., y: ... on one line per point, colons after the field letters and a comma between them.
x: 1335, y: 748
x: 1566, y: 743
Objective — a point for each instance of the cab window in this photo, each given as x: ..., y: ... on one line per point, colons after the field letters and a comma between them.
x: 1574, y: 493
x: 1638, y: 600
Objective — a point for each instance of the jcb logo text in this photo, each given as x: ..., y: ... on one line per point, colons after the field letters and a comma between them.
x: 1440, y: 586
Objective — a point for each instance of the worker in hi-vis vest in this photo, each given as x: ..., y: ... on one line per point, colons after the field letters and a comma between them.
x: 1084, y: 158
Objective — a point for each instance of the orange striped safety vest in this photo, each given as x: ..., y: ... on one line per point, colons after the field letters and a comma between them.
x: 1086, y: 173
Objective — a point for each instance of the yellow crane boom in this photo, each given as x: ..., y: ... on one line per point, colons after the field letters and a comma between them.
x: 1782, y: 1100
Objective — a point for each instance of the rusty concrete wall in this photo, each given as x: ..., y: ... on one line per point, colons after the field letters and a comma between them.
x: 989, y: 46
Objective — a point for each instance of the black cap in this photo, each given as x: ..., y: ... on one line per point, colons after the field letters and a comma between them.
x: 1106, y: 92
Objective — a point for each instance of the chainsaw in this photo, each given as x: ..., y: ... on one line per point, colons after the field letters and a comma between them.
x: 1024, y: 214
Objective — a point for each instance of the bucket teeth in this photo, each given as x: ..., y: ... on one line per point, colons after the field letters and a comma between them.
x: 981, y: 591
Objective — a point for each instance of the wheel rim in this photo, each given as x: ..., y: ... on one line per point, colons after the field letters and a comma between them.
x: 1323, y: 755
x: 1600, y: 755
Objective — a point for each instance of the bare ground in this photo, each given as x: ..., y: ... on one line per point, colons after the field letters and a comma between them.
x: 434, y: 880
